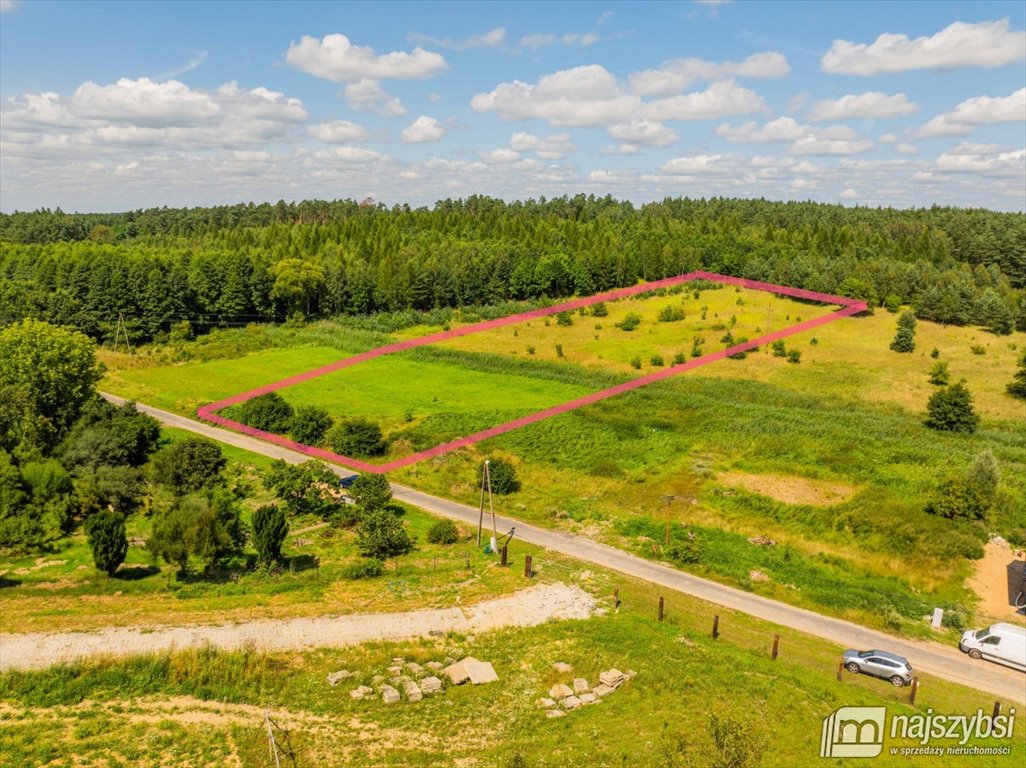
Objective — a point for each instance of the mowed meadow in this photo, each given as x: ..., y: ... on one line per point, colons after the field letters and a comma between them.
x: 828, y: 457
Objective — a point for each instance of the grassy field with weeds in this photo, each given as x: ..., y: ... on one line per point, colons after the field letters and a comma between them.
x: 206, y: 708
x: 850, y: 414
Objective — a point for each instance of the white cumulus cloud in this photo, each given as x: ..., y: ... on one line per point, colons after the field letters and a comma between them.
x: 335, y: 58
x: 646, y: 132
x: 423, y: 129
x: 339, y: 132
x: 983, y: 44
x: 676, y: 75
x: 980, y: 110
x: 871, y: 104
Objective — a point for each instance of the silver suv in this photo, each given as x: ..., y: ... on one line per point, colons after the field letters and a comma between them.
x: 880, y: 664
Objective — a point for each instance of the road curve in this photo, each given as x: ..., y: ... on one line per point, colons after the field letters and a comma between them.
x: 933, y: 658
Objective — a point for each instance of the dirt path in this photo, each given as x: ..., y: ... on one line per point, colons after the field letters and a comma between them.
x: 526, y: 608
x: 942, y: 660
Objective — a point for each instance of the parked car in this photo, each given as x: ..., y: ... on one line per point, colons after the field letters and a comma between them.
x: 879, y: 664
x: 1003, y: 643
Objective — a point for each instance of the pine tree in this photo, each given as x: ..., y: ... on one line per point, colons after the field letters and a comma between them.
x: 1017, y: 387
x: 951, y: 410
x: 905, y: 338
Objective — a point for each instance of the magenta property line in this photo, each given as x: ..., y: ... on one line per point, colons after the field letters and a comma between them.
x: 209, y: 412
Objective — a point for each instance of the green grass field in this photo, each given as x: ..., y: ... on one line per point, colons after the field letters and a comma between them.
x: 850, y: 414
x: 206, y: 708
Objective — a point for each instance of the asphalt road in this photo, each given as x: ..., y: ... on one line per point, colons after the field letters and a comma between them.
x: 943, y: 661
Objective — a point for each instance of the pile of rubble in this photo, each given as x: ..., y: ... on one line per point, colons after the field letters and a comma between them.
x: 564, y: 698
x: 413, y: 681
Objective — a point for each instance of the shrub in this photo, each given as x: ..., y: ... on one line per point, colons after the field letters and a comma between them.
x: 363, y: 569
x: 564, y: 319
x: 357, y: 437
x: 636, y: 362
x: 656, y: 360
x: 559, y: 350
x: 599, y: 309
x: 269, y: 531
x: 503, y: 474
x: 779, y: 348
x: 794, y: 356
x: 935, y: 353
x: 939, y: 374
x: 530, y: 350
x: 951, y: 410
x: 977, y: 349
x: 309, y: 424
x: 684, y: 551
x: 443, y: 532
x: 905, y: 337
x: 742, y: 354
x: 680, y: 358
x: 188, y: 465
x: 696, y: 346
x: 956, y: 499
x: 268, y: 412
x: 107, y: 539
x: 671, y: 314
x: 630, y: 322
x: 892, y: 303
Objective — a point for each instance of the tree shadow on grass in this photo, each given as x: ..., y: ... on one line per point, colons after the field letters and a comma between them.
x: 6, y: 582
x: 136, y: 572
x: 299, y: 563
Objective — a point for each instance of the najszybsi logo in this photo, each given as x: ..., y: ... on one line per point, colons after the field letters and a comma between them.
x: 859, y: 731
x: 853, y: 732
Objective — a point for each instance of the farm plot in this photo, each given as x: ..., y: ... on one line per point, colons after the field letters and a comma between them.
x: 402, y: 394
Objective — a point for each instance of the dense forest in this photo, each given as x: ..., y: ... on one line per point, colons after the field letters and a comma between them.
x: 231, y: 265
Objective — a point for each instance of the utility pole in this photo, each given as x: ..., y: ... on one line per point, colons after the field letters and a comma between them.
x: 486, y: 480
x: 668, y: 497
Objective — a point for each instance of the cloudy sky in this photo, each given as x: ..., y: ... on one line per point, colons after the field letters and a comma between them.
x: 114, y: 106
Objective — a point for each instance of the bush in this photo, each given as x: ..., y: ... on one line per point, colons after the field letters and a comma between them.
x: 443, y: 532
x: 939, y: 374
x: 696, y: 346
x: 794, y: 356
x: 892, y: 303
x: 503, y: 474
x: 935, y: 353
x: 559, y: 350
x: 636, y: 363
x: 951, y: 410
x: 742, y: 354
x: 957, y: 499
x: 269, y: 531
x: 107, y: 539
x: 309, y: 424
x: 630, y: 322
x: 779, y: 348
x: 680, y: 358
x: 363, y: 569
x: 564, y: 319
x: 357, y: 437
x: 599, y: 309
x: 977, y: 349
x: 657, y: 361
x: 268, y: 412
x: 684, y: 552
x: 188, y: 465
x: 670, y: 314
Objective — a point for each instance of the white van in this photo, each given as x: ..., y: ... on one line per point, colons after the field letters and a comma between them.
x: 1003, y: 643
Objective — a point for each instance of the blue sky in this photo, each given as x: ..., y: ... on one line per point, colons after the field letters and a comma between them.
x: 113, y: 106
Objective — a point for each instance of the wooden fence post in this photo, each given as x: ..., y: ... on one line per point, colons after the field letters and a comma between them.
x: 616, y: 597
x: 661, y: 608
x: 840, y: 672
x: 505, y: 553
x: 716, y: 627
x: 528, y: 571
x: 776, y: 646
x: 912, y: 692
x: 997, y: 709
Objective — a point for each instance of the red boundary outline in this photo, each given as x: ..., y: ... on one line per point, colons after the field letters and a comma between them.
x: 209, y: 412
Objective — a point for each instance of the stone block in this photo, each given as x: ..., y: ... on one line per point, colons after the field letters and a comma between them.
x: 560, y: 691
x: 412, y: 691
x: 430, y: 685
x: 563, y: 668
x: 570, y: 702
x: 602, y: 690
x: 481, y: 672
x: 611, y: 677
x: 546, y: 703
x: 390, y: 695
x: 555, y: 713
x: 581, y: 686
x: 589, y: 698
x: 457, y: 672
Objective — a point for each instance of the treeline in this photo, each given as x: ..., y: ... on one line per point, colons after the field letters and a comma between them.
x: 232, y: 265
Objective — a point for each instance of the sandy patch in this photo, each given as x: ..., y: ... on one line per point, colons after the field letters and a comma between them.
x: 789, y: 489
x: 529, y: 607
x: 997, y: 580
